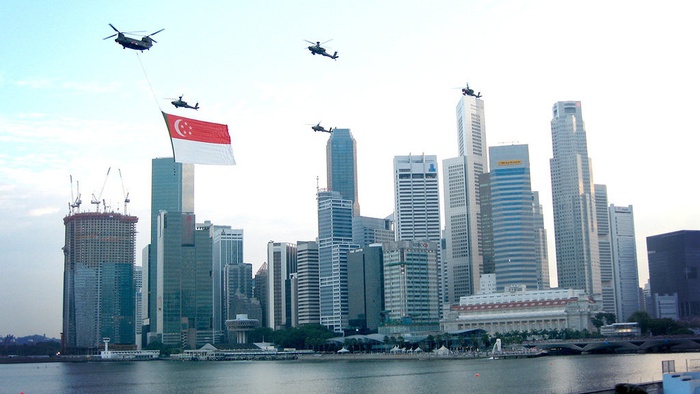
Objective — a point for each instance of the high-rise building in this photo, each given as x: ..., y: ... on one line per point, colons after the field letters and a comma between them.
x: 228, y: 250
x: 335, y: 215
x: 260, y: 291
x: 367, y: 230
x: 238, y: 289
x: 281, y: 264
x: 185, y: 313
x: 172, y: 190
x: 513, y: 218
x: 463, y: 258
x: 624, y: 262
x: 341, y: 166
x: 605, y: 249
x: 307, y: 282
x: 416, y: 198
x: 365, y: 287
x: 573, y: 198
x: 98, y: 281
x: 674, y: 266
x: 138, y: 301
x: 411, y: 282
x: 541, y: 250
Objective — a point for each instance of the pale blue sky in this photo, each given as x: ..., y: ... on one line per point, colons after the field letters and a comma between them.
x: 74, y: 104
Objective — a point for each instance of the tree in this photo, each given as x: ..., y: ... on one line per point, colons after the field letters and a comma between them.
x: 603, y: 319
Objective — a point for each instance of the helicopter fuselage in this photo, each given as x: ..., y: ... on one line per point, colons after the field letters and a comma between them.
x: 133, y: 43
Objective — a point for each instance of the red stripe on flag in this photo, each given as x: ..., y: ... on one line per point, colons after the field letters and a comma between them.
x: 196, y: 130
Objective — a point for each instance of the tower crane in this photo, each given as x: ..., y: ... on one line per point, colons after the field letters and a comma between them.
x: 75, y: 203
x: 126, y: 194
x: 98, y: 200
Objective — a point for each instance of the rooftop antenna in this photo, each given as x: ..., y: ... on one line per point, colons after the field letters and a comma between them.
x: 97, y: 200
x: 126, y: 194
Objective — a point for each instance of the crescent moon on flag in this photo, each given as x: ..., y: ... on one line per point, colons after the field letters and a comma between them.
x: 177, y: 128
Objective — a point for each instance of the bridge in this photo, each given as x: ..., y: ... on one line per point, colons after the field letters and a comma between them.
x: 620, y: 345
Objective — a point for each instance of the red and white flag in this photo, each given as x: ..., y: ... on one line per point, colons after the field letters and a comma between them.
x: 199, y: 142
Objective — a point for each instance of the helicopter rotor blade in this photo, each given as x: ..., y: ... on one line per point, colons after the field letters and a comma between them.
x: 115, y: 29
x: 327, y: 41
x: 310, y: 42
x: 153, y: 34
x: 109, y: 36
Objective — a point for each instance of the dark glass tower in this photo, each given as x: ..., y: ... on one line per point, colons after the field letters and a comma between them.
x: 172, y: 190
x: 341, y: 166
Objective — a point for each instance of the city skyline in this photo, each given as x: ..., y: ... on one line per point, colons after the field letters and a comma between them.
x: 79, y: 109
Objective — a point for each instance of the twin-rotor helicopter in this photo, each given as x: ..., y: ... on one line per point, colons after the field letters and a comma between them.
x: 145, y: 43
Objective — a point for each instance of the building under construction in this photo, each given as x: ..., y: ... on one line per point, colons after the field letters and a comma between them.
x: 98, y: 281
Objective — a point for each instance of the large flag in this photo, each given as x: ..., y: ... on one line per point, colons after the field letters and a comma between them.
x: 198, y: 142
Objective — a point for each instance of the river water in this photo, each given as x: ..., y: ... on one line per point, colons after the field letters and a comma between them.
x: 552, y: 374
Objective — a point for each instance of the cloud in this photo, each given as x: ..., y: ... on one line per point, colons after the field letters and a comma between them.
x: 43, y: 211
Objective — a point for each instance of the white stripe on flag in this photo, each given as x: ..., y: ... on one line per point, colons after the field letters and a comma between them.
x: 188, y: 151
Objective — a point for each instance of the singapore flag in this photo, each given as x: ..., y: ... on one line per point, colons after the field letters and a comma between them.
x: 199, y: 142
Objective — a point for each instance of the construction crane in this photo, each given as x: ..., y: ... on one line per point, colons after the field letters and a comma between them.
x: 126, y: 194
x: 97, y: 200
x: 75, y: 203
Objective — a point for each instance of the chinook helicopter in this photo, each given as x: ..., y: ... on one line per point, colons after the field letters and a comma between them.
x: 146, y: 42
x: 180, y: 103
x: 317, y: 49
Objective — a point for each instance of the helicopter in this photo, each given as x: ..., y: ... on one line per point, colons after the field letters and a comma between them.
x: 318, y: 127
x: 467, y: 91
x: 317, y: 49
x: 146, y: 42
x: 180, y: 103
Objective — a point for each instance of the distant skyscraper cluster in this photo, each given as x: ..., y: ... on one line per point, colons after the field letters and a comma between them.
x: 401, y: 273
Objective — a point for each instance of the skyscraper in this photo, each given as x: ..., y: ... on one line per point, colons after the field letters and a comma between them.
x: 367, y: 230
x: 341, y: 166
x: 674, y: 268
x: 605, y: 249
x: 411, y: 282
x: 185, y: 314
x: 307, y: 282
x: 334, y: 243
x: 416, y: 198
x: 463, y: 257
x: 541, y: 244
x: 172, y: 190
x: 281, y: 264
x: 513, y: 218
x: 228, y: 250
x: 573, y: 197
x: 366, y: 287
x: 624, y: 257
x: 98, y: 281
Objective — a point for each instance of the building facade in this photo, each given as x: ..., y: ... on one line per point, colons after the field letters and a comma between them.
x: 98, y: 281
x: 624, y: 262
x: 573, y: 198
x: 228, y: 249
x: 513, y: 218
x: 674, y: 263
x: 341, y: 166
x: 281, y: 266
x: 365, y: 288
x: 607, y: 279
x: 463, y: 258
x: 335, y: 215
x: 172, y: 190
x: 411, y: 282
x: 185, y: 311
x: 308, y: 282
x: 522, y: 310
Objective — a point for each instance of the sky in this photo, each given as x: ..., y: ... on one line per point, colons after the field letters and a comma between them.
x: 73, y: 105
